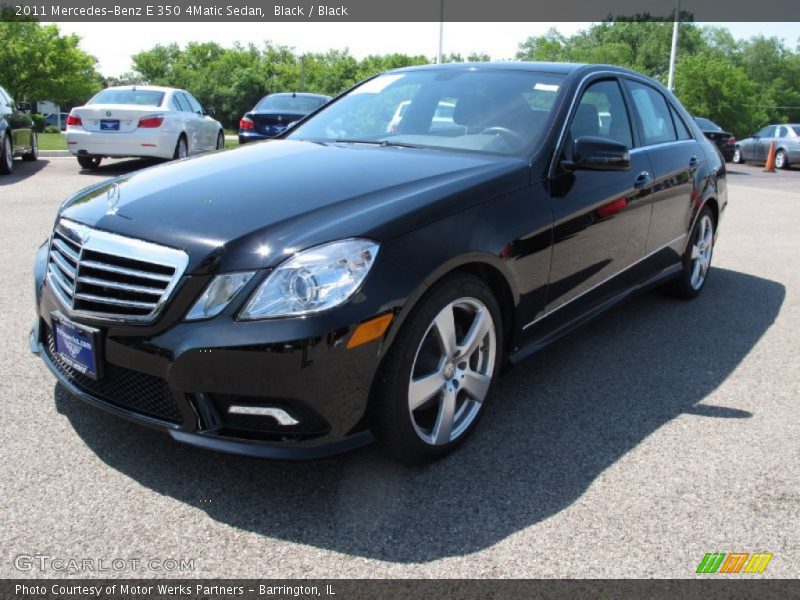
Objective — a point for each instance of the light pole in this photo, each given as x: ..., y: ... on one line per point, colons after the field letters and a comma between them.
x: 441, y: 31
x: 676, y: 25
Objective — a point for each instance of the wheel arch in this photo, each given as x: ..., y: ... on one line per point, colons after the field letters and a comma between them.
x: 490, y: 269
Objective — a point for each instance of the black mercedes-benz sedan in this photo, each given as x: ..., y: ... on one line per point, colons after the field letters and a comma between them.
x: 351, y: 281
x: 274, y: 113
x: 723, y: 140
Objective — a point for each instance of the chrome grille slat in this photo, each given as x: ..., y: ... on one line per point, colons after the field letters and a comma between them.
x: 66, y: 287
x: 114, y: 301
x: 90, y: 264
x: 62, y: 264
x: 140, y: 289
x: 105, y: 276
x: 65, y: 249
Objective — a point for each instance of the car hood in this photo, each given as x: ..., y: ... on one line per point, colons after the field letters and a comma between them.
x: 250, y: 207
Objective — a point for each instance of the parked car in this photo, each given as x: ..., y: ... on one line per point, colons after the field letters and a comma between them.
x: 53, y: 120
x: 296, y: 297
x: 786, y: 138
x: 275, y: 112
x: 141, y: 121
x: 17, y: 133
x: 721, y: 138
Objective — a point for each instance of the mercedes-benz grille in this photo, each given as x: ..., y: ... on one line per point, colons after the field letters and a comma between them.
x: 102, y: 275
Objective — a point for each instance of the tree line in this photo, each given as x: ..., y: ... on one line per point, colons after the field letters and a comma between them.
x: 741, y: 85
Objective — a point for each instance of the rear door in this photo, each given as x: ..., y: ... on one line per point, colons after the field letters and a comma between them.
x: 765, y: 137
x: 207, y: 125
x: 675, y: 157
x: 193, y: 123
x: 601, y: 218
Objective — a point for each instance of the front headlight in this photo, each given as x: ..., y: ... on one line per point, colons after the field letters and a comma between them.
x: 314, y: 280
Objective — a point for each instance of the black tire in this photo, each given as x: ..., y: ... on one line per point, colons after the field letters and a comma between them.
x: 738, y: 159
x: 177, y: 154
x: 6, y: 156
x: 89, y: 162
x: 684, y: 286
x: 391, y: 415
x: 781, y: 159
x: 220, y: 140
x: 33, y: 155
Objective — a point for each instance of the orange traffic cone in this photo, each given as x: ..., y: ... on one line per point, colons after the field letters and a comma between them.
x: 770, y: 166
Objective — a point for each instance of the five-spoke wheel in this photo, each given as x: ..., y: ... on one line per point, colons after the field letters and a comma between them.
x: 436, y: 378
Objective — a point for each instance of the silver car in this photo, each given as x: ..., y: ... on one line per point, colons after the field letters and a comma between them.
x: 756, y: 148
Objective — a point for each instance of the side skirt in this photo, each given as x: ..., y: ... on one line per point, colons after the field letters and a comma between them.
x: 538, y: 344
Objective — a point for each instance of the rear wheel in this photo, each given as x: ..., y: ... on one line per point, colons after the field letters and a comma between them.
x: 737, y: 156
x: 34, y: 153
x: 220, y: 140
x: 781, y: 160
x: 89, y: 162
x: 6, y: 156
x: 181, y: 148
x: 436, y: 378
x: 696, y: 259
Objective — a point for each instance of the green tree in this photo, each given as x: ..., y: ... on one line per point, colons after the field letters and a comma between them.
x: 41, y: 64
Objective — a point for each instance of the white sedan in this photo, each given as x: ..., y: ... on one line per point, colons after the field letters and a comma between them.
x: 141, y: 121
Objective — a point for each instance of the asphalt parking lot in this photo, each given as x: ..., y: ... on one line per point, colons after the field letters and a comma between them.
x: 658, y: 433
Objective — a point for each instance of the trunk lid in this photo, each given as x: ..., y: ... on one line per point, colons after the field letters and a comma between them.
x: 114, y: 118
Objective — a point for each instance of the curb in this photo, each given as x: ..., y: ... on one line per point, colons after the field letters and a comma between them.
x: 46, y: 153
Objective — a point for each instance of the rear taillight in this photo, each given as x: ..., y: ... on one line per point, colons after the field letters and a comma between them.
x: 246, y: 123
x: 151, y: 121
x: 73, y: 120
x: 731, y: 141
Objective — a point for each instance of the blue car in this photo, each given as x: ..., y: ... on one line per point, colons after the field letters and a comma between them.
x: 52, y: 120
x: 273, y: 114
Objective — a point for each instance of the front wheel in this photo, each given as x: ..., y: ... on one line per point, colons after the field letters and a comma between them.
x: 696, y: 259
x: 435, y: 380
x: 33, y: 155
x: 737, y: 156
x: 89, y: 162
x: 6, y: 156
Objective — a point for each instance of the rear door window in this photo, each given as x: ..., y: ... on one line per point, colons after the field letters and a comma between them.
x: 654, y: 114
x: 680, y: 126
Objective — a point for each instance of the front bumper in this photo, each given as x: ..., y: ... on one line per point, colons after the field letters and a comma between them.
x: 184, y: 377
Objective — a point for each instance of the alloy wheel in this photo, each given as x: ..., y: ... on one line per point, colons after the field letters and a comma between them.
x: 452, y: 371
x: 182, y: 150
x: 737, y: 155
x: 703, y: 246
x: 780, y: 159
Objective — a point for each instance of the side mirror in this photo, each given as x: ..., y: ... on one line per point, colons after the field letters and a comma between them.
x: 599, y: 154
x: 208, y: 112
x: 24, y: 107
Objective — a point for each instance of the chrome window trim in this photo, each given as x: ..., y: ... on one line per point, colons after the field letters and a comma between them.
x: 619, y: 75
x: 125, y: 247
x: 606, y: 280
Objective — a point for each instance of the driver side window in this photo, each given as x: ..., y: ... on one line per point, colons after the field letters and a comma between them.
x: 602, y: 113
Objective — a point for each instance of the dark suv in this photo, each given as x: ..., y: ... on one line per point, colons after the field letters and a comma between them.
x: 17, y: 134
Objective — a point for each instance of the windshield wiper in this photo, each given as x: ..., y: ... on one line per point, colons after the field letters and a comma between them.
x: 384, y: 143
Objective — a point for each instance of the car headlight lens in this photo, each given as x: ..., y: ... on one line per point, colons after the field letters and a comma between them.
x: 218, y: 294
x: 314, y: 280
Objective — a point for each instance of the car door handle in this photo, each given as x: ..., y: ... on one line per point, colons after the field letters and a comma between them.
x: 693, y: 162
x: 643, y: 180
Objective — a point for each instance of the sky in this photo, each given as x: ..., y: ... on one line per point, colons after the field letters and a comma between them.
x: 114, y: 43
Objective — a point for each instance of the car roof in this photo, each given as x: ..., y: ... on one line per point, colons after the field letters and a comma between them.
x: 146, y: 88
x: 559, y: 68
x: 298, y: 94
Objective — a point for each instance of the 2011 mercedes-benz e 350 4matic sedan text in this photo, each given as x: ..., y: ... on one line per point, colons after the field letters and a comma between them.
x: 376, y: 280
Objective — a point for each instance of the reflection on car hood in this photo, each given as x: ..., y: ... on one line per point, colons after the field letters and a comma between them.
x: 246, y: 208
